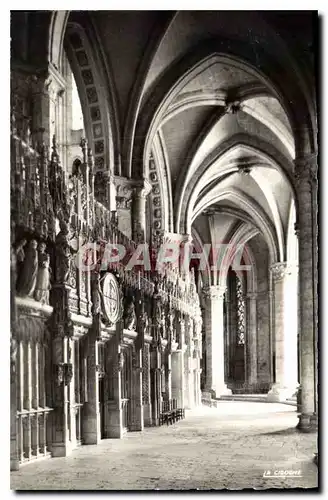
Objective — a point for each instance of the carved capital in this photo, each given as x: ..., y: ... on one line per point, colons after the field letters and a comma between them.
x: 143, y: 189
x: 123, y: 203
x: 187, y: 238
x: 251, y: 295
x: 48, y: 82
x: 63, y: 373
x: 306, y: 169
x: 279, y: 270
x: 214, y: 292
x: 124, y: 191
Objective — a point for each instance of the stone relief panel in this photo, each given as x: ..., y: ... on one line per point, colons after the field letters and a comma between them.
x: 76, y: 43
x: 155, y: 200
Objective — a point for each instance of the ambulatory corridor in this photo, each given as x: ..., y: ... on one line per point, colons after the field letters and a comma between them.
x: 231, y: 447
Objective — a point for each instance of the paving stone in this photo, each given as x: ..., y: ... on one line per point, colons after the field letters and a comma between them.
x: 213, y: 448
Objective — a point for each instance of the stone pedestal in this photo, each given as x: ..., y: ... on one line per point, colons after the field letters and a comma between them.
x: 285, y: 335
x: 306, y: 184
x: 214, y: 325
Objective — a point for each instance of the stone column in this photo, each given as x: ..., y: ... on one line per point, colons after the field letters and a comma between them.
x: 178, y: 374
x: 71, y: 393
x: 123, y: 207
x: 137, y: 415
x: 251, y: 339
x: 14, y: 461
x: 91, y: 411
x: 146, y: 386
x: 155, y: 375
x: 46, y: 90
x: 168, y: 376
x: 136, y: 402
x: 285, y: 350
x: 214, y: 324
x: 156, y: 357
x: 197, y: 356
x: 188, y: 364
x: 227, y: 339
x: 139, y: 211
x: 60, y: 417
x: 168, y: 354
x: 114, y: 407
x: 306, y: 185
x: 63, y: 370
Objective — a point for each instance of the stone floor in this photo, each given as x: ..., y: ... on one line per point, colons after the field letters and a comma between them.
x: 231, y: 446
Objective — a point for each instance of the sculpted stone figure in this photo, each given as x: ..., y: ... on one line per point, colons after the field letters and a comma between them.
x: 43, y: 277
x: 18, y: 259
x: 28, y: 272
x: 157, y: 315
x: 13, y: 353
x: 162, y: 330
x: 63, y: 254
x: 145, y: 323
x: 130, y: 318
x: 95, y: 293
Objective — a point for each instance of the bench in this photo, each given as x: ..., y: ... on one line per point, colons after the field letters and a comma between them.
x: 170, y: 413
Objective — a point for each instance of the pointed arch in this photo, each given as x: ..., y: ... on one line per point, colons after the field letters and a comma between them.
x: 234, y: 53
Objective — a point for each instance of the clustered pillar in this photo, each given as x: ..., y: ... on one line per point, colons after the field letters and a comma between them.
x: 139, y: 211
x: 306, y: 184
x: 285, y: 338
x: 214, y: 324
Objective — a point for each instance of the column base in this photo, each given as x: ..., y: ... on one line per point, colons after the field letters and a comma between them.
x: 147, y: 415
x: 278, y: 394
x: 91, y: 429
x: 14, y: 464
x: 307, y: 423
x: 137, y: 420
x: 222, y: 391
x: 114, y: 424
x: 61, y: 449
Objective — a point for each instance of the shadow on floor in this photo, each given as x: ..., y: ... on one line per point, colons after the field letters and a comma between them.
x: 282, y: 432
